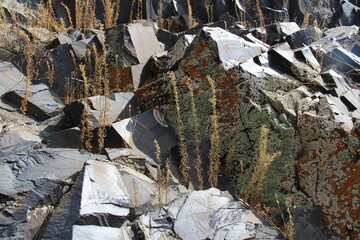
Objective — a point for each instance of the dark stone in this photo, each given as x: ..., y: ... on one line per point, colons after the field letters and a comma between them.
x: 42, y: 102
x: 343, y: 61
x: 65, y: 214
x: 346, y: 15
x: 304, y: 37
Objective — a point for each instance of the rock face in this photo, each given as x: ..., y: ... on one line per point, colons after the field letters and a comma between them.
x: 209, y: 214
x: 189, y: 93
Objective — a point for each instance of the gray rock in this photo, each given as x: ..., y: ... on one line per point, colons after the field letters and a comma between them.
x: 120, y: 106
x: 232, y: 49
x: 278, y: 31
x: 346, y: 15
x: 209, y: 214
x: 103, y: 200
x: 64, y: 216
x: 91, y: 232
x: 35, y: 181
x: 335, y: 83
x: 42, y: 102
x: 343, y: 61
x: 304, y: 37
x: 68, y: 138
x: 140, y: 131
x: 305, y: 54
x: 308, y: 226
x: 10, y: 78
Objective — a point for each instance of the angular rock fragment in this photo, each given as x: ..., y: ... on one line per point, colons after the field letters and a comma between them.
x: 42, y: 102
x: 343, y: 61
x: 10, y: 77
x: 346, y: 15
x: 140, y: 131
x: 35, y: 182
x: 103, y: 200
x: 128, y: 50
x: 206, y: 214
x: 304, y: 37
x: 68, y: 138
x: 117, y: 106
x: 278, y: 31
x: 91, y: 232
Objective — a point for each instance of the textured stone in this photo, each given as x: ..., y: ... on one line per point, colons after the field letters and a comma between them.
x: 10, y: 77
x: 42, y: 102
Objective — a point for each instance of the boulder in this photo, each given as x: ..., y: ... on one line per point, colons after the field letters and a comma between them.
x: 35, y: 180
x: 118, y: 106
x: 103, y: 199
x: 140, y: 132
x: 206, y: 214
x: 278, y: 31
x: 128, y: 51
x: 10, y: 78
x: 346, y: 15
x: 304, y: 37
x: 42, y: 102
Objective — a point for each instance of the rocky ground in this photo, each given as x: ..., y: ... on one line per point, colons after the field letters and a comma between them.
x: 109, y: 111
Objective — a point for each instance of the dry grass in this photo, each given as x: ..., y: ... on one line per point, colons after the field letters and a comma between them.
x: 163, y: 175
x: 112, y: 9
x: 160, y: 15
x: 214, y: 153
x: 264, y: 159
x: 29, y: 52
x: 261, y: 19
x: 196, y: 131
x: 85, y: 127
x: 306, y: 20
x: 190, y: 15
x: 210, y: 12
x: 184, y: 163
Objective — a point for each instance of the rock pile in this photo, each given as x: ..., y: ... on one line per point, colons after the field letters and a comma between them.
x: 110, y: 112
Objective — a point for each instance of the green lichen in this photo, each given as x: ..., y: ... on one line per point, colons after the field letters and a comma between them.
x: 344, y: 156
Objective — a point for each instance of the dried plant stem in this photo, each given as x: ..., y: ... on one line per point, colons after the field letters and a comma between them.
x: 264, y: 159
x: 139, y: 11
x: 214, y: 153
x: 196, y: 130
x: 191, y: 20
x: 85, y: 127
x: 184, y: 163
x: 160, y: 14
x: 29, y: 52
x: 261, y: 19
x: 306, y: 21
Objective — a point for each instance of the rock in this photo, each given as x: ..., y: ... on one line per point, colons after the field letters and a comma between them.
x: 206, y: 214
x: 233, y: 50
x: 15, y: 138
x: 346, y: 15
x: 103, y: 200
x: 119, y: 106
x: 62, y: 61
x: 283, y: 55
x: 36, y: 179
x: 64, y: 216
x: 335, y: 82
x: 343, y: 61
x: 304, y: 37
x: 11, y: 77
x: 6, y: 55
x: 140, y: 131
x: 131, y: 52
x: 91, y: 232
x: 42, y: 102
x: 305, y: 54
x: 309, y: 225
x: 69, y: 138
x: 278, y: 31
